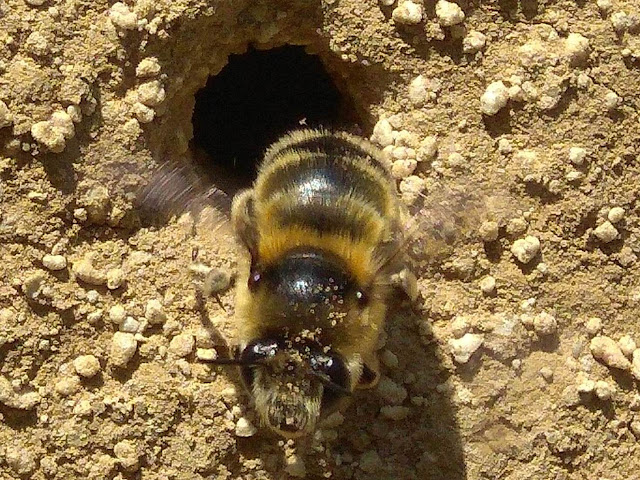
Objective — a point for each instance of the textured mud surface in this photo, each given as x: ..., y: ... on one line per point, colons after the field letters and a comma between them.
x: 523, y: 363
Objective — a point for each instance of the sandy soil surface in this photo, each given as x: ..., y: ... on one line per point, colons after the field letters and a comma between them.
x: 522, y: 361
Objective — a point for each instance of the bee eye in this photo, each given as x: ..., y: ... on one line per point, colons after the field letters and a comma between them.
x: 253, y: 355
x: 259, y: 351
x: 336, y: 373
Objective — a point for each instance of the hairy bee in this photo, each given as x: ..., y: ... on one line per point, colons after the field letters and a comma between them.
x: 326, y: 241
x: 321, y: 228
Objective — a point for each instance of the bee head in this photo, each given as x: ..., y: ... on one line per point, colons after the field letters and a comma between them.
x: 303, y: 329
x: 293, y: 383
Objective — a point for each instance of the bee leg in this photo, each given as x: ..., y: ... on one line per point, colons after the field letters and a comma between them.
x: 406, y: 281
x: 243, y: 220
x: 395, y: 267
x: 230, y: 358
x: 370, y: 374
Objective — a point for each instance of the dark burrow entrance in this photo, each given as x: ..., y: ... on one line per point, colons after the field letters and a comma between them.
x: 255, y: 99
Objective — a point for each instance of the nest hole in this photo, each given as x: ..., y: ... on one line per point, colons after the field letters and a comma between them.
x: 256, y: 98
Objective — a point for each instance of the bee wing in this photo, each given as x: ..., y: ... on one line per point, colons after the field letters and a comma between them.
x: 440, y: 219
x: 185, y: 192
x: 175, y: 189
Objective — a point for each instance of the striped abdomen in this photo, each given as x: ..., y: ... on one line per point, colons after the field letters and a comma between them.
x: 328, y: 191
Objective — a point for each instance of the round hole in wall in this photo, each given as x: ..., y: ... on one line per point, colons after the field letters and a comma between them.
x: 255, y: 99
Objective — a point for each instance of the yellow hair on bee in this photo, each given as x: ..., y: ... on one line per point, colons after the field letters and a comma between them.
x: 321, y: 227
x: 358, y: 255
x: 308, y: 135
x: 385, y: 198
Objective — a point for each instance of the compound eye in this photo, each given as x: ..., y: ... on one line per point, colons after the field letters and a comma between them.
x: 254, y: 354
x: 334, y: 369
x: 259, y: 351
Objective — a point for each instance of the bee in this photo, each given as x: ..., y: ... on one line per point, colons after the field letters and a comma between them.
x: 321, y: 232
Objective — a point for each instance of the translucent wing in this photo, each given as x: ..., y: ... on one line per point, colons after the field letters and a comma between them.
x: 178, y: 188
x: 183, y: 190
x: 447, y: 215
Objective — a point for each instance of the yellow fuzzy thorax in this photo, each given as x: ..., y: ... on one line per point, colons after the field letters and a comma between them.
x: 358, y: 255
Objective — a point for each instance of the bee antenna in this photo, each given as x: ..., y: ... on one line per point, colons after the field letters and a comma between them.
x: 219, y: 302
x: 327, y: 382
x: 232, y: 361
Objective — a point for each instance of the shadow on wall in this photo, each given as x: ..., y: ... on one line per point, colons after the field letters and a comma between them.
x: 426, y: 445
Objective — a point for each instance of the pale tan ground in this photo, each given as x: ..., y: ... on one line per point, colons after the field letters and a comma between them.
x: 512, y: 412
